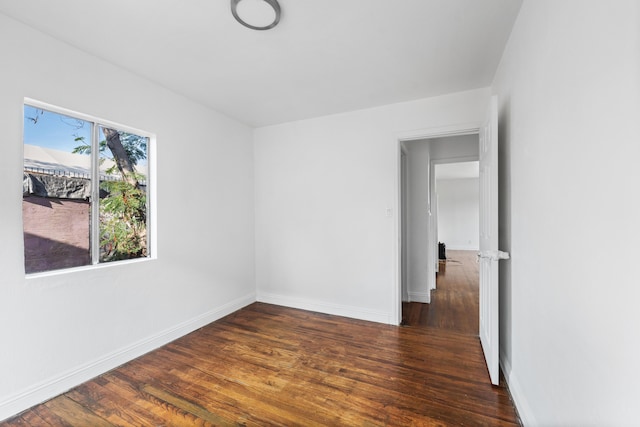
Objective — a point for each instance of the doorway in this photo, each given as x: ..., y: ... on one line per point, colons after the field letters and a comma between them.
x: 454, y: 303
x: 453, y: 159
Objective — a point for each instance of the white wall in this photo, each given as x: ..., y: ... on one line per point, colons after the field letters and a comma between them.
x: 458, y: 213
x: 454, y: 149
x: 417, y: 220
x: 569, y: 91
x: 60, y: 330
x: 323, y: 187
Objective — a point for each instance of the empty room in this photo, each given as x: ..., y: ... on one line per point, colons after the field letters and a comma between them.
x: 212, y: 228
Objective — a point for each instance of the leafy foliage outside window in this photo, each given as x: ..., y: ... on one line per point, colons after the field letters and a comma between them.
x: 123, y: 201
x: 123, y: 221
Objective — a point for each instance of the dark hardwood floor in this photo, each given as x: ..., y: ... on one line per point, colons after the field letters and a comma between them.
x: 454, y: 302
x: 271, y: 365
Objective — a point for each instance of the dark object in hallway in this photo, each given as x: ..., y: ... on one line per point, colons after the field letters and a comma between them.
x: 442, y: 251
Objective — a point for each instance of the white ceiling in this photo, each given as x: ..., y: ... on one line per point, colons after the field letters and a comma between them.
x: 457, y: 170
x: 325, y: 56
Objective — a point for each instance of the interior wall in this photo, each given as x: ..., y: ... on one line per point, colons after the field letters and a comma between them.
x: 327, y: 195
x: 417, y: 193
x: 61, y: 329
x: 569, y: 93
x: 458, y: 213
x: 451, y: 149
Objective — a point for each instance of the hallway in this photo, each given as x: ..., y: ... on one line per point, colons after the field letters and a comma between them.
x: 454, y: 302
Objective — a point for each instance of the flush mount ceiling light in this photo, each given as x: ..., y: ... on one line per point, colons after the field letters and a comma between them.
x: 256, y: 14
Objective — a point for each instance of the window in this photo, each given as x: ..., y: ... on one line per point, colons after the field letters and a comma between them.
x: 85, y: 191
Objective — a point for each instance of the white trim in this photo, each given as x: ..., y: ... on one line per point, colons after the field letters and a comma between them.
x: 94, y: 203
x: 459, y: 159
x: 433, y: 223
x: 61, y: 383
x: 440, y: 131
x: 517, y: 394
x: 327, y: 308
x: 463, y: 248
x: 396, y: 242
x: 152, y: 231
x: 152, y: 197
x: 86, y: 117
x: 424, y: 297
x: 414, y: 135
x: 71, y: 270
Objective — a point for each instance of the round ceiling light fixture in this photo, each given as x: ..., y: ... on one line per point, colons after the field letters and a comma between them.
x: 256, y: 14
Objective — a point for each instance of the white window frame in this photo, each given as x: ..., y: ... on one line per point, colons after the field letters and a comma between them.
x: 94, y: 231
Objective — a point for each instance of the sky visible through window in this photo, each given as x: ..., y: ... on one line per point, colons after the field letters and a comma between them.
x: 56, y: 131
x: 52, y: 130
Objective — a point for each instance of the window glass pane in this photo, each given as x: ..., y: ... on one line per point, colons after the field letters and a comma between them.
x: 123, y: 195
x: 64, y: 226
x: 56, y: 191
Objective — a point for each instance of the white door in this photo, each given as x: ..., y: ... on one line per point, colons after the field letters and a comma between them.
x: 489, y: 253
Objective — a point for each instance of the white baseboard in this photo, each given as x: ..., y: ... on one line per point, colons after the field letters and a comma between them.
x: 424, y: 297
x: 327, y: 308
x: 52, y: 387
x: 463, y: 248
x: 519, y: 399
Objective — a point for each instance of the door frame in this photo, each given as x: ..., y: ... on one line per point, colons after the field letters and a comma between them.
x: 433, y: 224
x: 427, y: 133
x: 403, y: 223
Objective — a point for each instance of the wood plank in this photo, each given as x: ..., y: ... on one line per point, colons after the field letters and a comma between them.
x: 17, y: 422
x: 116, y: 408
x: 50, y: 416
x: 146, y: 408
x: 270, y: 365
x: 75, y: 414
x: 455, y: 301
x: 33, y: 419
x: 188, y: 406
x: 229, y: 394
